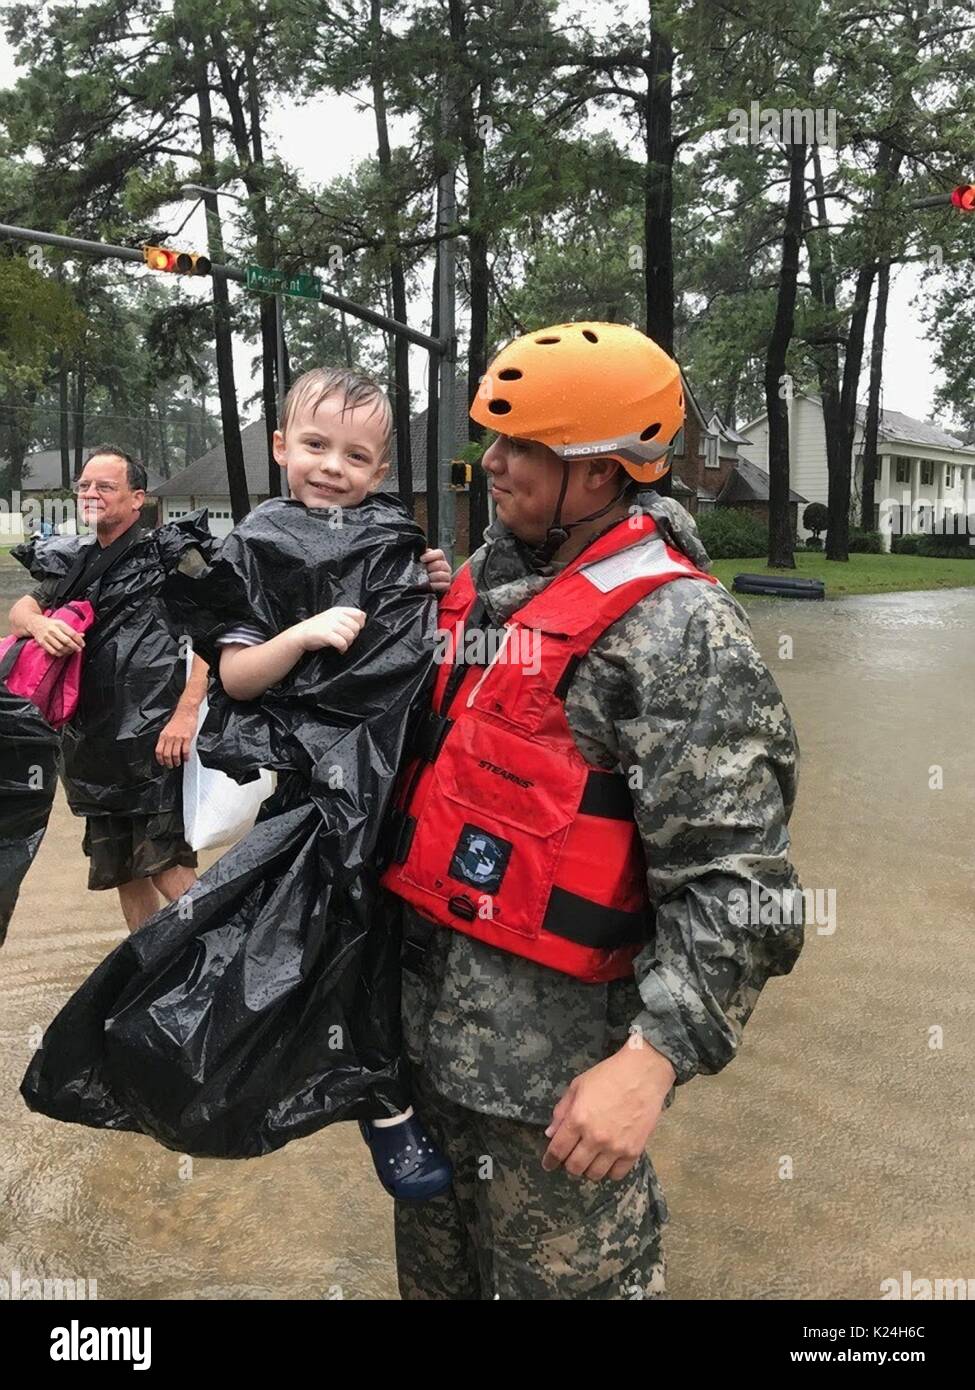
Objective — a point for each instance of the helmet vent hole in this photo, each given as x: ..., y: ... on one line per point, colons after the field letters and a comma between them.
x: 650, y: 431
x: 497, y: 407
x: 680, y: 400
x: 510, y: 374
x: 542, y: 341
x: 588, y: 333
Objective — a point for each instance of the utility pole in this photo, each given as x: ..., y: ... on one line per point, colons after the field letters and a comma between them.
x: 446, y: 331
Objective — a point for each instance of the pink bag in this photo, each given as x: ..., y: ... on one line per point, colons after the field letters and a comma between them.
x: 50, y: 682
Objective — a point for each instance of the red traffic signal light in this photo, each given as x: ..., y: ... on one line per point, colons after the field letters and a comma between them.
x: 175, y: 262
x: 964, y: 197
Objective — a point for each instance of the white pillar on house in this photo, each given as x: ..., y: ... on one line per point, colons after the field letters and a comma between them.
x: 882, y: 499
x: 915, y: 486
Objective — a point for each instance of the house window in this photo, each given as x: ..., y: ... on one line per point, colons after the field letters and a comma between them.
x: 903, y: 474
x: 949, y: 475
x: 678, y: 447
x: 711, y: 459
x: 927, y: 472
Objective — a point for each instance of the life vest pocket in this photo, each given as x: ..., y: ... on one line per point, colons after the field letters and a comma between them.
x: 492, y: 844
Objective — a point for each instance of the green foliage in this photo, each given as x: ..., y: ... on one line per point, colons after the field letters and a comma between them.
x: 953, y: 547
x: 865, y: 543
x: 815, y: 518
x: 730, y: 534
x: 904, y: 545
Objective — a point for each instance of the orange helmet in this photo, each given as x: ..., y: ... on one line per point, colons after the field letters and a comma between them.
x: 587, y: 390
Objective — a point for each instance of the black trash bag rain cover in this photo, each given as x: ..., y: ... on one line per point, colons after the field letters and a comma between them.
x: 28, y: 780
x: 133, y: 670
x: 265, y: 1003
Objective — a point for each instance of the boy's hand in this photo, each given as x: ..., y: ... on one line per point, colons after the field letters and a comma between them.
x: 438, y: 571
x: 336, y: 627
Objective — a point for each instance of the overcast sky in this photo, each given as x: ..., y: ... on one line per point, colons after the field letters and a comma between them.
x: 327, y: 138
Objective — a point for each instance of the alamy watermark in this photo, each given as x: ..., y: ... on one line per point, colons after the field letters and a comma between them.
x: 786, y: 124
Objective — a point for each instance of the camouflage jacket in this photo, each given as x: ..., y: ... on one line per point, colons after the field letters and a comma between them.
x: 677, y: 689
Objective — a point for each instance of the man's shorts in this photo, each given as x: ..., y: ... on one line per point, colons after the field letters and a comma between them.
x: 122, y: 848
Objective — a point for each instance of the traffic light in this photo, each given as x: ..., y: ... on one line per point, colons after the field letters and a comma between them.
x: 460, y: 474
x: 964, y: 197
x: 175, y: 262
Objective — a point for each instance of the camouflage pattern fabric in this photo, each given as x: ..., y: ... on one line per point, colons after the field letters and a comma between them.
x: 677, y: 696
x: 509, y: 1230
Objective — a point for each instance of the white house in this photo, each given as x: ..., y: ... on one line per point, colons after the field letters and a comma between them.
x: 919, y: 465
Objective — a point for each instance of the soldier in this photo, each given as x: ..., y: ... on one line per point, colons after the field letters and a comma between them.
x: 576, y: 837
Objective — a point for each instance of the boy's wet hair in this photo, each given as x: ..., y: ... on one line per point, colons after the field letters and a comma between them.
x: 355, y: 388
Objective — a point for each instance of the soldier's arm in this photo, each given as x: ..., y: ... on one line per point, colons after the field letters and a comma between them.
x: 712, y: 760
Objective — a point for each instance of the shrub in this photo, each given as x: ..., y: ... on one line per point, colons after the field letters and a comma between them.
x: 865, y: 543
x: 729, y: 534
x: 815, y: 518
x: 904, y: 545
x: 814, y: 542
x: 944, y: 547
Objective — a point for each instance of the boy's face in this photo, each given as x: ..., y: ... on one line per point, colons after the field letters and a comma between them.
x: 333, y: 458
x: 525, y: 478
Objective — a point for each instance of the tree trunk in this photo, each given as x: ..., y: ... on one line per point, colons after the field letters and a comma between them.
x: 397, y: 274
x: 822, y: 279
x: 64, y: 422
x: 230, y: 418
x: 838, y: 532
x: 81, y: 392
x: 249, y: 146
x: 163, y: 442
x: 780, y: 529
x: 838, y: 504
x: 658, y: 193
x: 872, y: 425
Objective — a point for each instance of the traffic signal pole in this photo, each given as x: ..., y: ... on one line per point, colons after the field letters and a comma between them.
x: 442, y: 350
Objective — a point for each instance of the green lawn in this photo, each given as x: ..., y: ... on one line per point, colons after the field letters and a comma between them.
x: 861, y: 574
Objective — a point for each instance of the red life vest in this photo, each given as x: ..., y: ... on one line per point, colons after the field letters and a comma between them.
x: 502, y: 829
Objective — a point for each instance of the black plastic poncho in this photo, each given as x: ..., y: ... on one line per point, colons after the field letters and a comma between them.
x: 265, y: 1004
x: 133, y: 671
x: 28, y: 780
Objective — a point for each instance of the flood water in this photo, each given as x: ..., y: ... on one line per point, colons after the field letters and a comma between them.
x: 855, y: 1074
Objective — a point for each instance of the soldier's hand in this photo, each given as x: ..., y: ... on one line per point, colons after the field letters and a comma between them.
x: 604, y: 1120
x: 56, y: 637
x: 438, y: 571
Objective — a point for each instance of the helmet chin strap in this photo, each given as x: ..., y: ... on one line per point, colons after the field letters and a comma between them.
x: 558, y: 532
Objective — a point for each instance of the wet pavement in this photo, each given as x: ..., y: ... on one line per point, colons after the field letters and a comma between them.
x: 840, y: 1079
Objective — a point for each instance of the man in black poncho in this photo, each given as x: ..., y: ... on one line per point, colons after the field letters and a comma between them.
x: 124, y: 749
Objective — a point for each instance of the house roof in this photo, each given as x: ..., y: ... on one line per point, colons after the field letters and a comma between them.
x: 207, y: 475
x: 418, y: 440
x: 42, y: 471
x: 894, y: 426
x: 748, y: 483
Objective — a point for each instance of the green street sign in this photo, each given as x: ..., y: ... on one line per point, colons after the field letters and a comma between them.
x: 278, y: 282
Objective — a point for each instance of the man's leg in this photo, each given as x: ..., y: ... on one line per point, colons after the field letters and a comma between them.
x: 174, y: 881
x: 555, y: 1236
x: 139, y: 901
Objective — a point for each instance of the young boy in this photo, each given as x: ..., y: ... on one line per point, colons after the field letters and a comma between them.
x: 334, y: 445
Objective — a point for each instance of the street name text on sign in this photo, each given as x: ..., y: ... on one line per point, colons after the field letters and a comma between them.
x: 279, y: 282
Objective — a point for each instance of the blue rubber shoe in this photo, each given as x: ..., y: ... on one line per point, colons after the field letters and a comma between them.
x: 408, y: 1163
